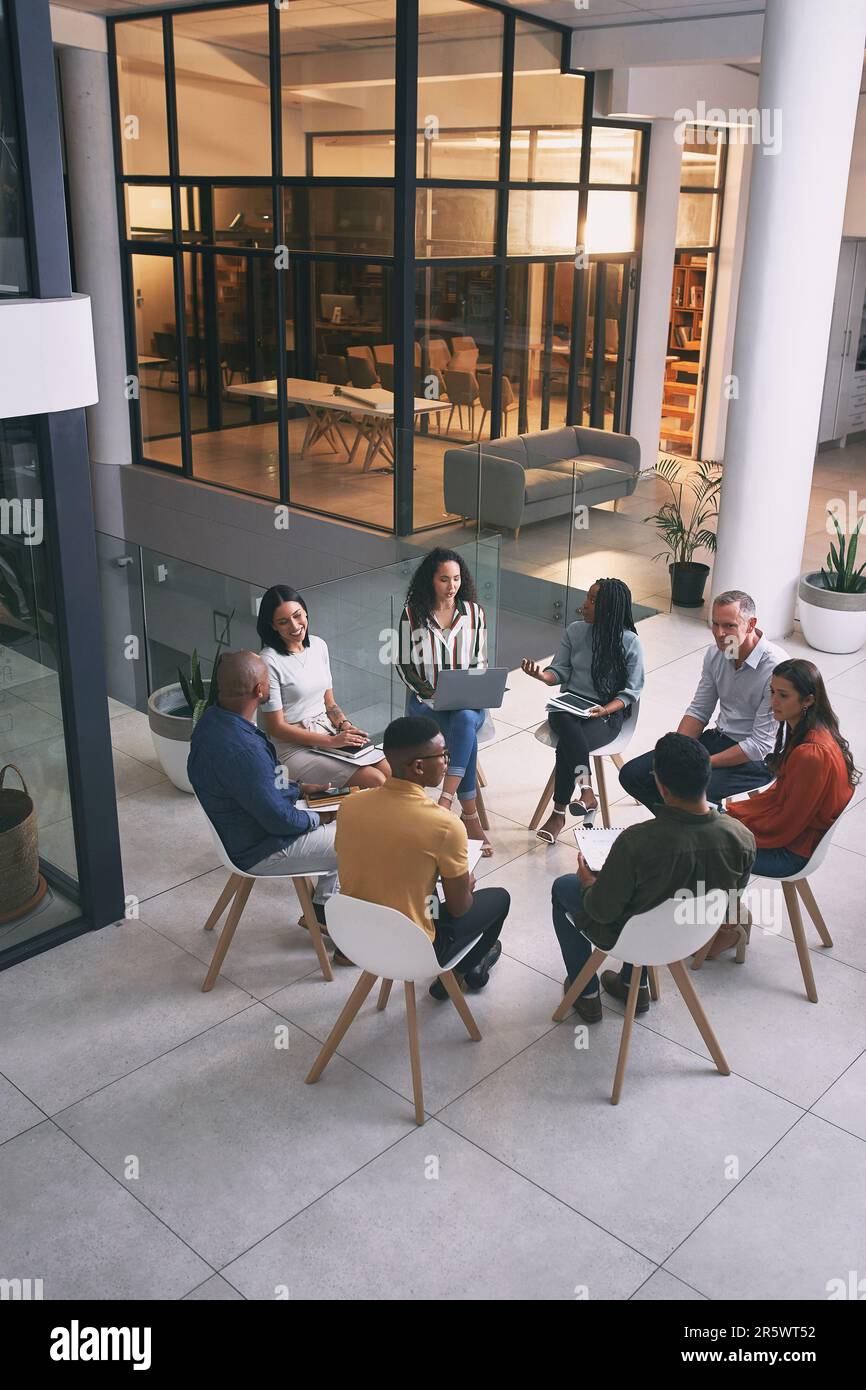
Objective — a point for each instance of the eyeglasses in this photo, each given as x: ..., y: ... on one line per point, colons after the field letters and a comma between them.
x: 444, y: 755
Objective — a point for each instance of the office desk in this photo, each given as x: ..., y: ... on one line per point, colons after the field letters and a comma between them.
x: 328, y: 411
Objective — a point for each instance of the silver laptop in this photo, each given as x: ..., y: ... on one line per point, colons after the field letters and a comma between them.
x: 471, y: 689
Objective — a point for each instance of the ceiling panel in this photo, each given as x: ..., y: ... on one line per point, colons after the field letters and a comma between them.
x: 597, y: 14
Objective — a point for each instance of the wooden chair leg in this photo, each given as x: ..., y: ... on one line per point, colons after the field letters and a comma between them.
x: 245, y: 887
x: 654, y: 983
x: 804, y: 889
x: 598, y: 763
x: 455, y: 994
x: 596, y: 959
x: 543, y: 803
x: 482, y: 809
x: 700, y: 956
x: 222, y: 902
x: 310, y: 921
x: 693, y: 1004
x: 618, y: 761
x: 792, y: 903
x: 384, y: 995
x: 341, y: 1027
x: 414, y: 1050
x: 627, y: 1025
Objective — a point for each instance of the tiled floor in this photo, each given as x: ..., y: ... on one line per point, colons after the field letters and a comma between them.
x: 157, y: 1142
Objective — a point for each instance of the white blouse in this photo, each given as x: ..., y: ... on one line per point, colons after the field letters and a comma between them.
x: 298, y: 681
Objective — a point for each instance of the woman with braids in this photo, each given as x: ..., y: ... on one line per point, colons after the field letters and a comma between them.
x: 600, y: 659
x: 443, y: 628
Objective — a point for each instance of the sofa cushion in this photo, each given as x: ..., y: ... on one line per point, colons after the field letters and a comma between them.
x: 549, y: 446
x: 545, y: 483
x: 512, y: 449
x: 592, y: 473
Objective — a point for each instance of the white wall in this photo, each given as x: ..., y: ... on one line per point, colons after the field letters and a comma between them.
x: 855, y: 207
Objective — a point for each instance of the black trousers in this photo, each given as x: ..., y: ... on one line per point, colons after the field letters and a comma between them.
x: 576, y: 739
x: 637, y: 779
x: 486, y: 915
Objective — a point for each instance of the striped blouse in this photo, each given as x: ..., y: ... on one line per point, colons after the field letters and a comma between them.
x: 425, y: 649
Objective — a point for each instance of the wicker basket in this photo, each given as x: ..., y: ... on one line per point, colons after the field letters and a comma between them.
x: 19, y: 847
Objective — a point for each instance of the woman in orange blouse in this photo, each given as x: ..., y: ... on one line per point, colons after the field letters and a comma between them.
x: 815, y: 774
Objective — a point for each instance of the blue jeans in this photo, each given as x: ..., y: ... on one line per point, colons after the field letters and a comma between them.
x: 567, y: 899
x: 777, y: 863
x: 460, y: 728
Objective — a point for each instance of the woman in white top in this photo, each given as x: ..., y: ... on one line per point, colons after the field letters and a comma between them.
x: 301, y: 716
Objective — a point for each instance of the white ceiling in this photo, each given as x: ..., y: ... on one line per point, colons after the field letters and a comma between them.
x: 598, y: 13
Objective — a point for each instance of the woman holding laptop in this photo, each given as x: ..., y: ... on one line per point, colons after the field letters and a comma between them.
x: 301, y: 716
x: 443, y: 628
x: 601, y: 664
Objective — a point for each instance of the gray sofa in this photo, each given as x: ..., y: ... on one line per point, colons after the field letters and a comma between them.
x: 533, y: 476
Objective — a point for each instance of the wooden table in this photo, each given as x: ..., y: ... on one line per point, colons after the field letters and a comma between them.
x: 329, y: 408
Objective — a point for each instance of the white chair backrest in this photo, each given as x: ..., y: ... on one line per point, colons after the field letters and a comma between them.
x: 380, y: 939
x: 217, y: 842
x: 820, y: 852
x: 673, y: 930
x: 625, y: 735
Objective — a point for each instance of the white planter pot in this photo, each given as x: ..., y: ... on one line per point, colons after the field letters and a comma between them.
x: 831, y: 622
x: 171, y: 734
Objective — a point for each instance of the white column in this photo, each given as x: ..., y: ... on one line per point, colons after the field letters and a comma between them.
x: 95, y: 242
x: 657, y: 268
x: 811, y: 64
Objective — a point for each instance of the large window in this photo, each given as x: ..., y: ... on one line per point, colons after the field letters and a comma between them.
x: 264, y: 204
x: 14, y: 276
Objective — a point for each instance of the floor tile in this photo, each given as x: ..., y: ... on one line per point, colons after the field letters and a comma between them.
x: 164, y: 840
x: 66, y: 1221
x: 130, y: 732
x: 466, y: 1228
x: 76, y: 1018
x: 511, y: 1012
x: 790, y: 1227
x: 213, y: 1290
x: 662, y: 1287
x: 548, y: 1115
x: 839, y: 887
x: 269, y: 950
x: 231, y: 1141
x: 17, y: 1113
x: 844, y: 1104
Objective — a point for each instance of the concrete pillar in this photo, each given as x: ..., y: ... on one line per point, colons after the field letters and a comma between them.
x: 657, y: 268
x: 811, y: 65
x: 95, y: 242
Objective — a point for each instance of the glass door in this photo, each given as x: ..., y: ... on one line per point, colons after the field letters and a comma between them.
x: 602, y: 372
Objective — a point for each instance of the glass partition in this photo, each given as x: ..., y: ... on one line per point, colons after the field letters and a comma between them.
x: 141, y: 97
x: 159, y: 373
x: 222, y: 83
x: 177, y: 606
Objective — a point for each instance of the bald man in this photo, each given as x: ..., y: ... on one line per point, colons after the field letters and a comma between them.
x: 235, y: 774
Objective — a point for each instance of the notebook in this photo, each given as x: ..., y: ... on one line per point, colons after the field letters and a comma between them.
x: 475, y: 848
x: 595, y: 845
x: 573, y: 704
x: 362, y: 758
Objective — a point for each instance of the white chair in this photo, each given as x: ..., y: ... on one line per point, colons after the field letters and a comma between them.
x: 613, y: 750
x: 388, y: 945
x: 236, y: 892
x: 658, y: 938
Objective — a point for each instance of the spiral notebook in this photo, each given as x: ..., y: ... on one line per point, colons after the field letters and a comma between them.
x: 595, y: 845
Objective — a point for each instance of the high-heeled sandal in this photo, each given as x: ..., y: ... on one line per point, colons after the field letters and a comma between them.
x: 588, y: 813
x: 547, y: 835
x: 487, y: 848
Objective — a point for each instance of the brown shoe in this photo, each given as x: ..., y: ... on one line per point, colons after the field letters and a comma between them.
x: 339, y: 959
x: 732, y: 934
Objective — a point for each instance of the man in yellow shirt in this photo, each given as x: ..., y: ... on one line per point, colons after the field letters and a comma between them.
x: 393, y: 843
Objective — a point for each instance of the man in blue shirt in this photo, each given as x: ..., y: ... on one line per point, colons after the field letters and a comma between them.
x: 735, y: 677
x: 236, y: 776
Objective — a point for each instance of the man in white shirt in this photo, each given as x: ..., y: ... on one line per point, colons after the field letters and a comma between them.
x: 736, y: 678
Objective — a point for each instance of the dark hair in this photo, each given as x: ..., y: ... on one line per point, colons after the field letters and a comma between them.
x: 682, y: 765
x: 410, y: 731
x: 420, y: 599
x: 273, y: 598
x: 612, y: 616
x: 807, y: 680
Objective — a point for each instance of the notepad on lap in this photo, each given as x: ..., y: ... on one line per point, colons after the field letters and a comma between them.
x: 475, y: 848
x: 573, y: 704
x: 595, y: 845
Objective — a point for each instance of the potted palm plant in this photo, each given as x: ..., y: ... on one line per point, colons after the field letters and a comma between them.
x: 174, y: 710
x: 833, y: 600
x: 684, y: 524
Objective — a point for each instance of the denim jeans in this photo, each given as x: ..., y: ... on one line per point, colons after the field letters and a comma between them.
x: 460, y: 728
x: 567, y: 900
x: 637, y: 779
x: 777, y: 863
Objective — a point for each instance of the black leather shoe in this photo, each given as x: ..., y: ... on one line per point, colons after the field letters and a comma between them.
x: 438, y: 991
x: 614, y: 985
x: 477, y: 977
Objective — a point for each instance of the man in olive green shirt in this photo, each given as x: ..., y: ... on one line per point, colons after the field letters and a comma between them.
x: 687, y: 846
